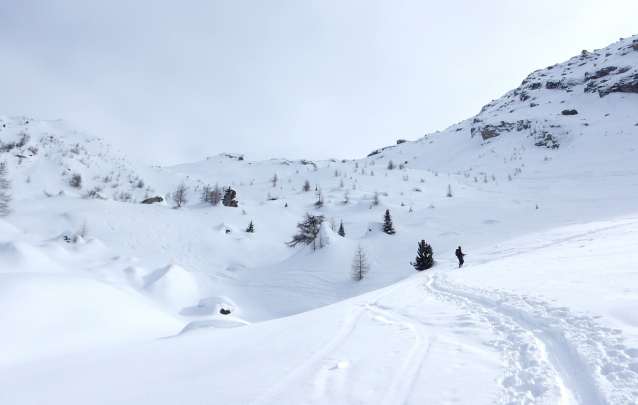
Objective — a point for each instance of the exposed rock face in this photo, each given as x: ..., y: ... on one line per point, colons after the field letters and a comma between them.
x: 230, y: 198
x: 569, y: 112
x: 618, y: 83
x: 491, y: 131
x: 627, y: 85
x: 600, y: 73
x: 546, y: 139
x: 562, y: 84
x: 152, y: 200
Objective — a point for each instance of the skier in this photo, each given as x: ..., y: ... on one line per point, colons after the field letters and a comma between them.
x: 460, y: 255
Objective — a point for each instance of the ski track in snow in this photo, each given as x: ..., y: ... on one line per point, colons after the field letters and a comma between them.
x: 528, y: 375
x: 550, y: 355
x: 401, y: 387
x: 313, y: 372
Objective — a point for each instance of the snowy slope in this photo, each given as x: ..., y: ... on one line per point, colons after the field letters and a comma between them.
x: 544, y: 204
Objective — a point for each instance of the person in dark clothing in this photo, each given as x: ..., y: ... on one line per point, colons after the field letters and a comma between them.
x: 459, y: 254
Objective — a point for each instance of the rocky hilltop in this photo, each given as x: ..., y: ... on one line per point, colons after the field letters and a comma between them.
x: 550, y: 98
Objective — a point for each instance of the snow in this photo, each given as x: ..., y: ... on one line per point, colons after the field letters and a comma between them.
x: 47, y: 315
x: 542, y: 312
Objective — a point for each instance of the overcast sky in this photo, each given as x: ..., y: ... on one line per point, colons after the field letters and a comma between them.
x: 171, y: 82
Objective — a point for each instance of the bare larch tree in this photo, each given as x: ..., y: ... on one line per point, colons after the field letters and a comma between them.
x: 360, y: 265
x: 179, y: 195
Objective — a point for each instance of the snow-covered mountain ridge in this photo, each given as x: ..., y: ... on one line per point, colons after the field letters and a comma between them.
x: 556, y: 103
x: 106, y: 300
x: 612, y: 70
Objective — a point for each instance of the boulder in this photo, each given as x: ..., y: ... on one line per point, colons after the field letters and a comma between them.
x: 152, y: 200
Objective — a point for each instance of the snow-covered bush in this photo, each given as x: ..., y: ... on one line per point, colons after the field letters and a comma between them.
x: 76, y: 181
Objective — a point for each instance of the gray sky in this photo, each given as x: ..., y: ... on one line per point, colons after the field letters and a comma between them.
x: 172, y: 82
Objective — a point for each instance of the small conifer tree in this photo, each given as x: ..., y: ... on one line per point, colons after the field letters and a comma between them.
x: 450, y: 193
x: 251, y: 227
x: 387, y: 223
x: 424, y: 257
x: 341, y: 232
x: 306, y: 186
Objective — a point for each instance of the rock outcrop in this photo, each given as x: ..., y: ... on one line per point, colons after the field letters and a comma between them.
x: 230, y: 198
x: 152, y: 200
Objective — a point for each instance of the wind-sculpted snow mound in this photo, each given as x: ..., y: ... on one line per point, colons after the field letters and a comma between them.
x: 19, y: 256
x: 226, y: 322
x: 44, y: 315
x: 218, y: 303
x: 172, y: 285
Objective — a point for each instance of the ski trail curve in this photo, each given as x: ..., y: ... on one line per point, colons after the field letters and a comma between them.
x: 528, y: 376
x: 564, y: 357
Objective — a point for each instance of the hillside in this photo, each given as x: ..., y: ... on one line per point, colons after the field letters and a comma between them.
x: 107, y: 300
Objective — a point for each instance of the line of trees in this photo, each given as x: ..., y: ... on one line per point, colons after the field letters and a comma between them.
x: 212, y: 195
x: 309, y: 233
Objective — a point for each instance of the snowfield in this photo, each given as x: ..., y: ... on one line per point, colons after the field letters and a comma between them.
x: 104, y: 300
